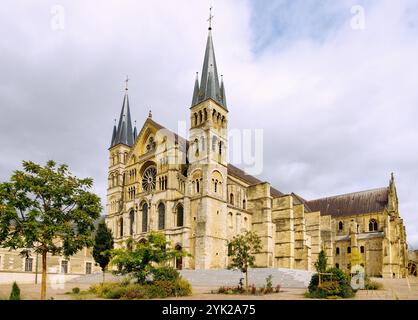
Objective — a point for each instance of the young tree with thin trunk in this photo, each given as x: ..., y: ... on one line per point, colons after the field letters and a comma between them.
x: 242, y: 250
x: 45, y: 209
x: 103, y: 244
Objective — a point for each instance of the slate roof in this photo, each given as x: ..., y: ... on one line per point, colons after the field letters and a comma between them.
x: 352, y: 203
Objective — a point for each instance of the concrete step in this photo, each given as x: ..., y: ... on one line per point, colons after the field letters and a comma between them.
x: 286, y: 278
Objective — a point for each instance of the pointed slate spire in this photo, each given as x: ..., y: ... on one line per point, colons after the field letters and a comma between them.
x: 124, y: 133
x: 223, y: 96
x: 135, y: 132
x: 209, y: 81
x: 113, y: 135
x: 195, y: 98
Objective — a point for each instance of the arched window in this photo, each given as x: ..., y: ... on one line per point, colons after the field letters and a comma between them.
x: 337, y: 265
x: 373, y: 225
x: 348, y: 249
x: 131, y: 222
x: 144, y: 217
x: 220, y: 147
x: 216, y: 185
x: 161, y: 216
x: 229, y: 249
x: 231, y: 198
x: 362, y: 249
x: 180, y: 216
x: 195, y: 119
x: 179, y: 260
x: 340, y: 225
x: 214, y: 139
x: 197, y: 186
x: 337, y: 251
x: 230, y: 220
x: 121, y: 227
x: 244, y: 204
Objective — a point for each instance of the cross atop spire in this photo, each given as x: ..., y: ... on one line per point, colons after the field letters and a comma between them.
x: 210, y: 18
x: 126, y: 83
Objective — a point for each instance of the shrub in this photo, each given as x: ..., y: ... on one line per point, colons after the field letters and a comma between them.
x: 373, y: 285
x: 101, y: 289
x: 75, y: 290
x: 165, y: 273
x: 182, y: 288
x: 151, y: 290
x: 15, y: 294
x: 338, y: 286
x: 115, y: 293
x: 269, y: 284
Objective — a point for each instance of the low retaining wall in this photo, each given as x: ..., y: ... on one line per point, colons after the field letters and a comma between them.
x: 27, y: 277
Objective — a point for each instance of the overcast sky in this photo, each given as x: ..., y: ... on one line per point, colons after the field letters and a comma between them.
x: 336, y: 96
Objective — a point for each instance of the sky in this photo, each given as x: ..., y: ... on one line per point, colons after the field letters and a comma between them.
x: 331, y: 84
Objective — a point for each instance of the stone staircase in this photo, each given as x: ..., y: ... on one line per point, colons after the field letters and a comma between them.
x: 286, y: 278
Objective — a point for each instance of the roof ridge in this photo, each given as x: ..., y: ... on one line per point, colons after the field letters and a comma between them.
x: 348, y: 194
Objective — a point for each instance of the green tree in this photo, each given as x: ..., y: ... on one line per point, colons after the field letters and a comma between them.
x: 144, y: 258
x: 242, y: 250
x: 46, y: 209
x: 321, y: 263
x: 15, y: 294
x: 103, y: 244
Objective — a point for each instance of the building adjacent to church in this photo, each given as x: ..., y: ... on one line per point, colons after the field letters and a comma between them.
x: 158, y: 180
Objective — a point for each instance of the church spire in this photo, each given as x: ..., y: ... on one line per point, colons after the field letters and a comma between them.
x: 124, y: 133
x: 209, y: 82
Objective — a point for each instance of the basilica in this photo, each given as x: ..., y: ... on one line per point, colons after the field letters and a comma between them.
x: 185, y: 188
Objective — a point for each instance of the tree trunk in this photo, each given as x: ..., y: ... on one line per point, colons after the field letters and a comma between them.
x: 43, y: 285
x: 103, y: 276
x: 246, y: 279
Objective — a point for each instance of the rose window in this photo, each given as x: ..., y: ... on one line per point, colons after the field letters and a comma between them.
x: 149, y: 179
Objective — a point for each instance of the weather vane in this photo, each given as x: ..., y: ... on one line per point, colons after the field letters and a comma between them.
x: 210, y: 18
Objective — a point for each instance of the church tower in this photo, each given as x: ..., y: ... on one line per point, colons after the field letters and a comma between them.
x: 123, y: 137
x: 208, y: 164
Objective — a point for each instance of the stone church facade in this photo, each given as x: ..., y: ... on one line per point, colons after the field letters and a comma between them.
x: 186, y: 189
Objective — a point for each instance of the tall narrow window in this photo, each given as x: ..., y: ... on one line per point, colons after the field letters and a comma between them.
x: 340, y: 225
x: 231, y: 198
x: 180, y: 217
x: 197, y: 186
x: 88, y: 267
x: 144, y: 217
x: 244, y: 204
x: 64, y: 266
x: 121, y: 227
x: 131, y: 222
x: 373, y: 225
x: 362, y: 249
x: 214, y: 139
x: 337, y: 251
x: 28, y: 264
x: 349, y: 250
x: 161, y: 216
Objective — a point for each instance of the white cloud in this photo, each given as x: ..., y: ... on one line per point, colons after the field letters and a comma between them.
x: 338, y: 106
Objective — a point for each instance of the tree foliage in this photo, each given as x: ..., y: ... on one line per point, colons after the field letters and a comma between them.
x: 143, y: 258
x: 103, y: 244
x: 45, y: 209
x: 15, y: 293
x: 321, y: 263
x: 242, y: 250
